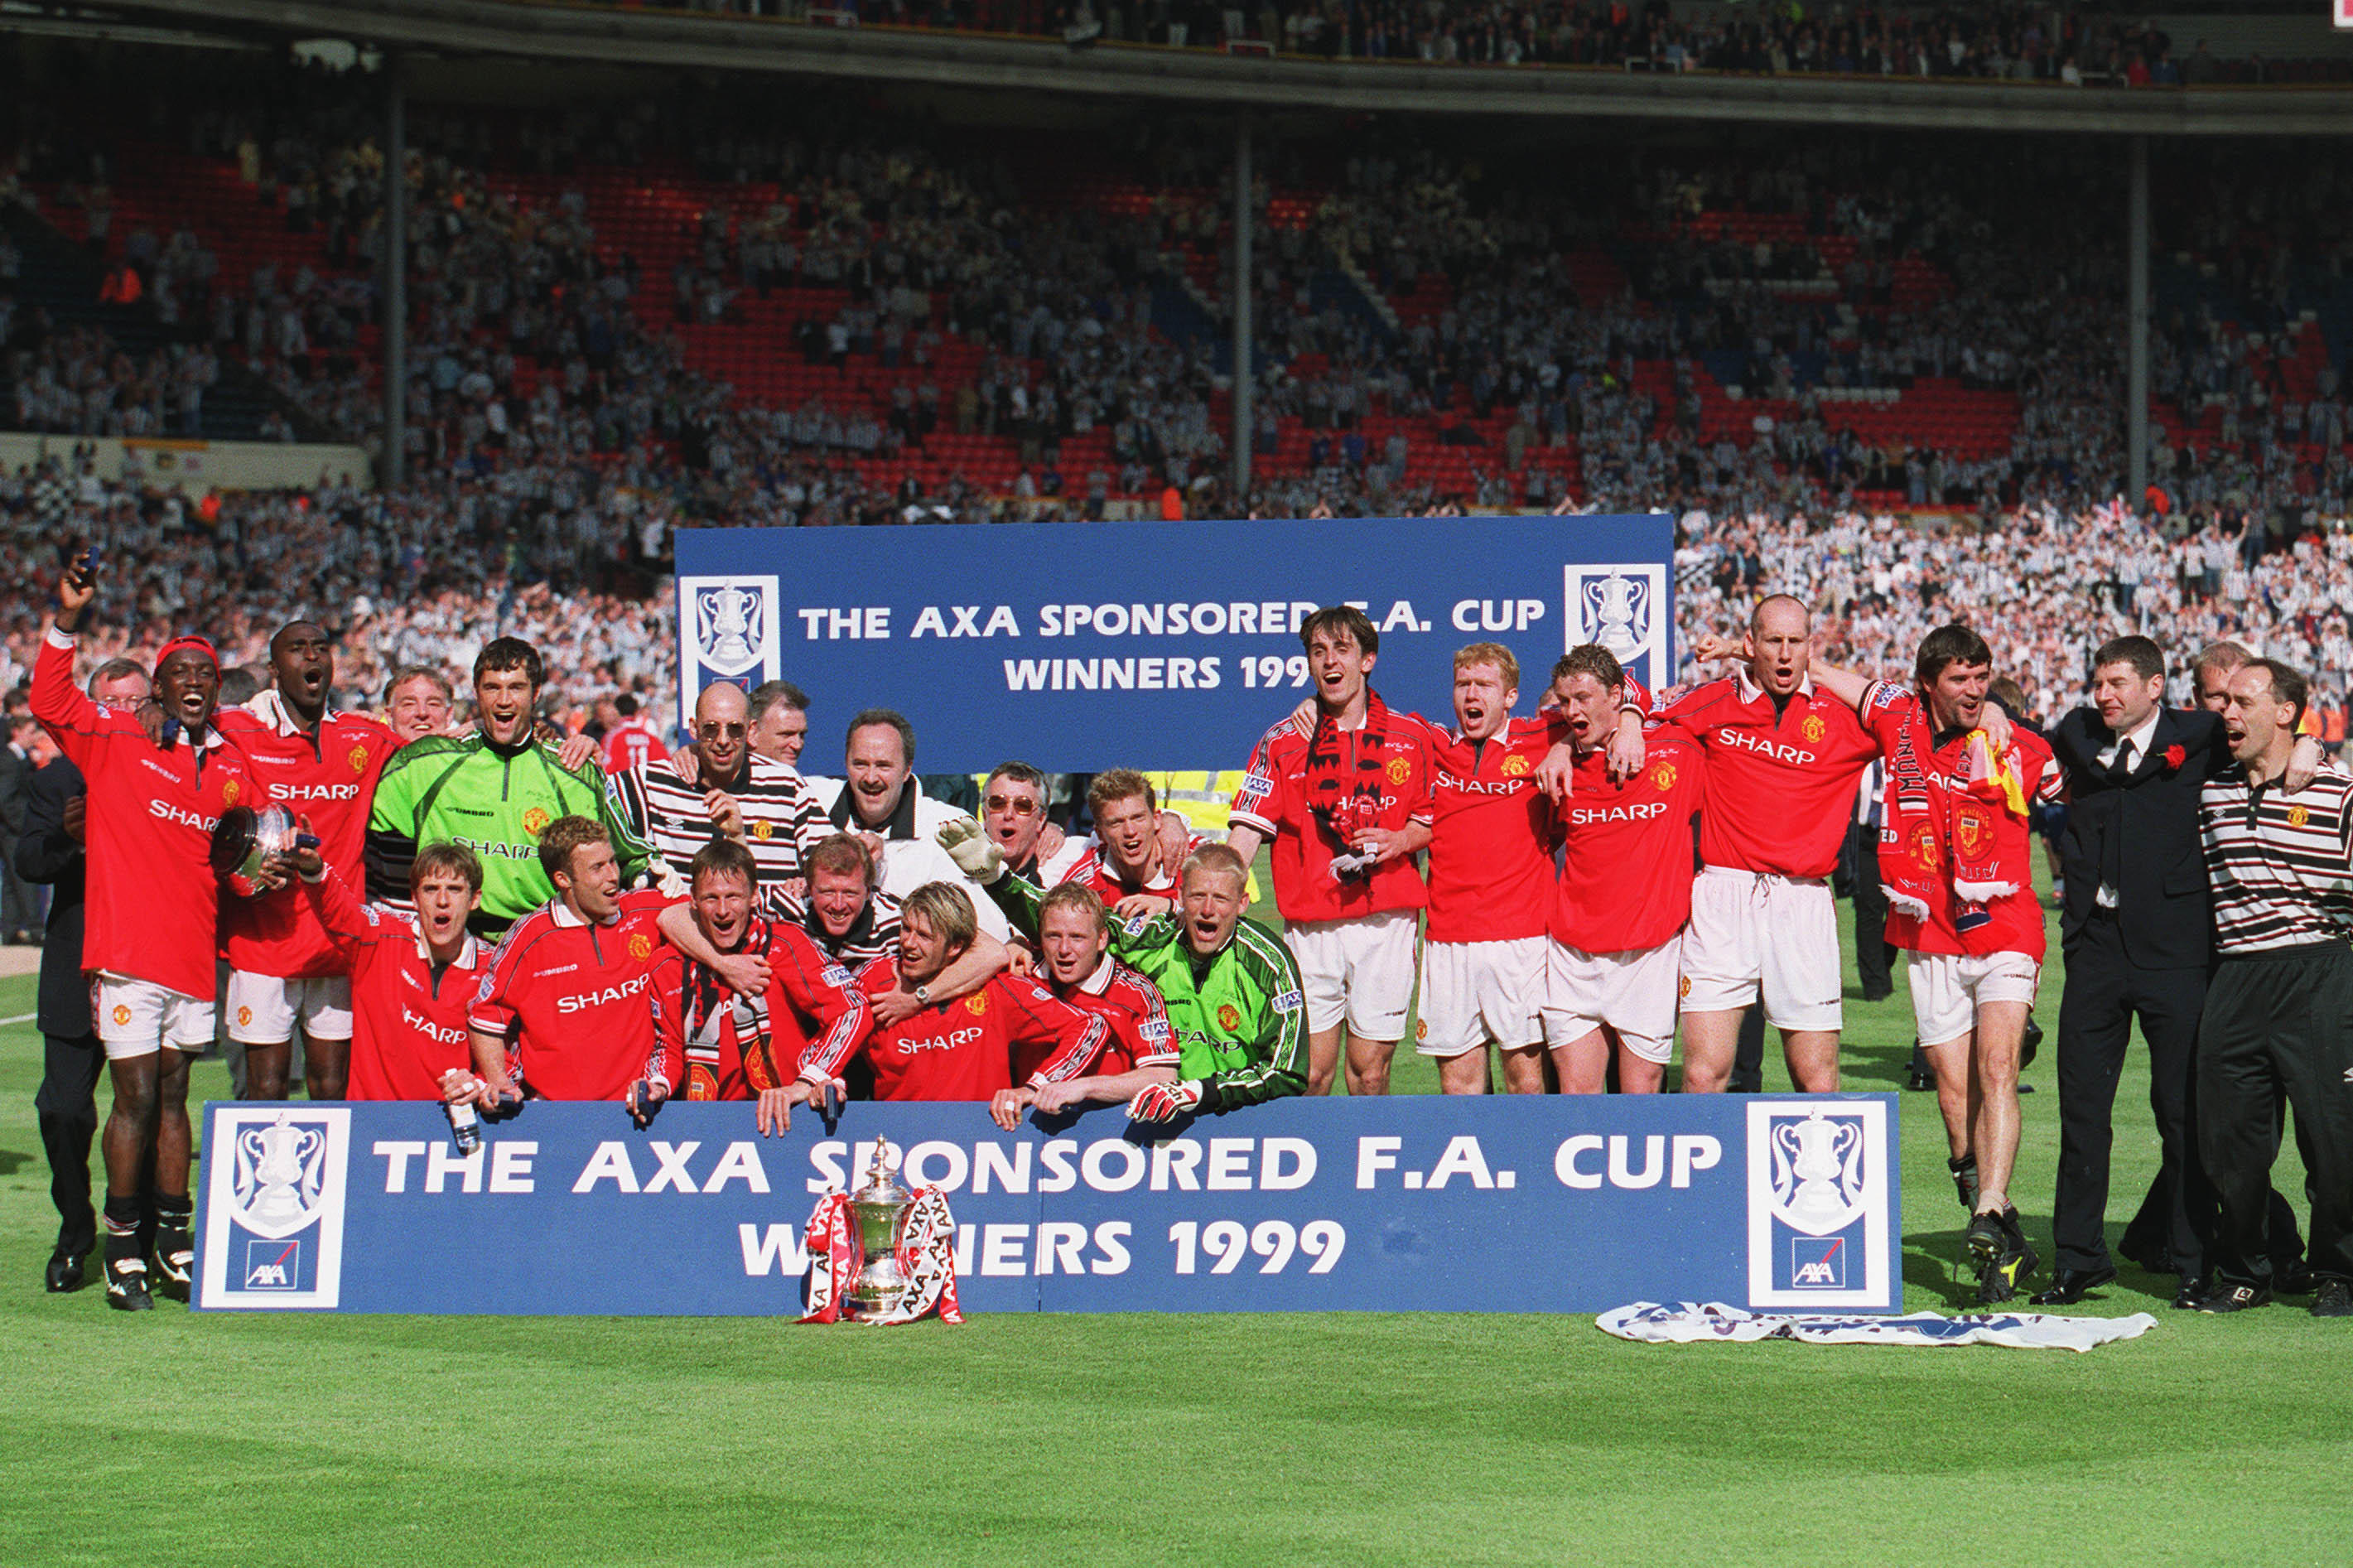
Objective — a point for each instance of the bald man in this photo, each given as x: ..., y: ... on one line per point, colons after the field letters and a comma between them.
x: 719, y: 788
x: 1783, y: 762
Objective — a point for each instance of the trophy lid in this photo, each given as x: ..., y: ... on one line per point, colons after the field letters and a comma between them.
x: 882, y: 1186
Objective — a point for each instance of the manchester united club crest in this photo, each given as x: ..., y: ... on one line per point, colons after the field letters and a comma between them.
x: 641, y: 946
x: 244, y: 1018
x: 534, y: 821
x: 1516, y: 766
x: 1662, y: 775
x: 1399, y: 771
x: 1229, y: 1018
x: 763, y: 831
x: 230, y: 790
x: 1972, y: 827
x: 2297, y: 816
x: 121, y: 1015
x: 976, y: 1004
x: 357, y: 757
x: 1925, y: 852
x: 1420, y: 1030
x: 1813, y: 729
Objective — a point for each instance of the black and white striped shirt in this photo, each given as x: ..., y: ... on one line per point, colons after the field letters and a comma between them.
x: 873, y: 934
x: 781, y: 819
x: 2280, y: 862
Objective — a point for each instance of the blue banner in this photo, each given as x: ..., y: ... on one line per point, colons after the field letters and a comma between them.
x: 1562, y: 1204
x: 1082, y: 646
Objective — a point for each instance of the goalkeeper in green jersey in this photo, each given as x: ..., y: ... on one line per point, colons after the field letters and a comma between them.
x: 492, y: 791
x: 1232, y: 987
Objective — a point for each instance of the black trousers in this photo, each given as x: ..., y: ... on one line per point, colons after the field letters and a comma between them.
x: 2105, y: 993
x: 65, y: 1106
x: 2277, y: 1022
x: 1875, y: 960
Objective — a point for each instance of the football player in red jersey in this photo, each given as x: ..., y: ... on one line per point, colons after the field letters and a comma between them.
x: 1347, y: 812
x: 285, y: 972
x: 1783, y: 762
x: 962, y: 1049
x: 1614, y: 943
x: 718, y: 1044
x: 414, y: 971
x: 567, y: 1010
x: 151, y: 915
x: 1957, y: 853
x: 1139, y: 850
x: 1074, y: 941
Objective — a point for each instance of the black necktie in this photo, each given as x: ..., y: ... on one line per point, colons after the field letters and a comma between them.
x: 2124, y: 759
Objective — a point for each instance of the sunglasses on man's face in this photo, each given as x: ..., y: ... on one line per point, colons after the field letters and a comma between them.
x: 1020, y: 805
x: 713, y: 731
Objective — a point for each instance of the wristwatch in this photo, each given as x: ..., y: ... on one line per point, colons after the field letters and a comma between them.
x: 923, y: 996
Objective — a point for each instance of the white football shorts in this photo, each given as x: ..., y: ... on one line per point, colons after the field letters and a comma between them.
x: 1754, y: 934
x: 1472, y: 992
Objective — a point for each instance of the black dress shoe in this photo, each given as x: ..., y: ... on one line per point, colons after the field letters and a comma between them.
x: 2293, y: 1279
x: 2227, y: 1298
x: 2068, y: 1286
x: 2191, y: 1294
x: 64, y: 1273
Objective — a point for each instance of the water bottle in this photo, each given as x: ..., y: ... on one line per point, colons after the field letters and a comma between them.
x: 464, y: 1125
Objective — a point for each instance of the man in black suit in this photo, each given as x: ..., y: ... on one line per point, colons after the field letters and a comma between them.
x: 65, y: 1105
x: 19, y: 911
x: 2138, y: 936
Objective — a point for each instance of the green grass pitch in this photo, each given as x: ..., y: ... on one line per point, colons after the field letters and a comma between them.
x: 174, y: 1438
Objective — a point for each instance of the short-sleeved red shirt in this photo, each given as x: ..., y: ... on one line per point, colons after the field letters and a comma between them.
x: 1289, y: 794
x: 1780, y: 785
x: 574, y: 1001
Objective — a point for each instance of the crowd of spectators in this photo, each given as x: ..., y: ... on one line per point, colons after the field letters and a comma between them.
x: 1585, y: 329
x: 2003, y: 41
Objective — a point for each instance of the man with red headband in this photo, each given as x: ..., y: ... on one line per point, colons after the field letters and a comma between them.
x: 151, y: 925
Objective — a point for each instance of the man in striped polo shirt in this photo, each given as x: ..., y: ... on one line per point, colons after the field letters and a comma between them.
x: 721, y: 789
x: 2280, y: 862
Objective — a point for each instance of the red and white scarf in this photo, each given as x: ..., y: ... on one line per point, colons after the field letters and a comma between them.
x: 926, y: 1258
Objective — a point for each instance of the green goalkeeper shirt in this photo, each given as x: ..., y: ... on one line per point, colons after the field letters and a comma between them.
x: 1240, y: 1013
x: 496, y: 801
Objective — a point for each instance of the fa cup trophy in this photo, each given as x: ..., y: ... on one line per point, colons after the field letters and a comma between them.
x: 879, y: 1210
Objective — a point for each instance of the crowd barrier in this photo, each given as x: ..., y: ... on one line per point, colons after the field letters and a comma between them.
x: 1555, y: 1203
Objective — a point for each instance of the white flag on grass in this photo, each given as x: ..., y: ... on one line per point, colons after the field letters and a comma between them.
x: 1690, y: 1322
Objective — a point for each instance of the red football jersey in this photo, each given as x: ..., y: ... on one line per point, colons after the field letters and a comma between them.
x: 2015, y: 923
x: 1781, y: 788
x: 1093, y: 869
x: 1303, y: 801
x: 576, y: 1002
x: 1490, y: 835
x: 1626, y: 873
x: 964, y: 1049
x: 408, y: 1021
x: 152, y: 905
x: 717, y: 1045
x: 1134, y: 1014
x: 329, y: 779
x: 632, y: 741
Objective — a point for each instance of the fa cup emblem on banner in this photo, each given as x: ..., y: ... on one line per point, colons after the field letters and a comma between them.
x: 1817, y: 1173
x: 726, y: 633
x: 1618, y: 609
x: 278, y: 1177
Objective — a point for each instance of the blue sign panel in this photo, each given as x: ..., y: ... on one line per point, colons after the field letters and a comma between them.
x: 1566, y: 1203
x: 1082, y: 646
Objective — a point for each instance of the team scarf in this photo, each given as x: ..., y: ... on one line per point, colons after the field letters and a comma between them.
x: 1942, y: 835
x: 1345, y: 785
x: 706, y: 1005
x: 926, y: 1260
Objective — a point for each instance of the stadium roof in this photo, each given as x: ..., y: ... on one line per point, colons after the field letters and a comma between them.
x: 572, y: 32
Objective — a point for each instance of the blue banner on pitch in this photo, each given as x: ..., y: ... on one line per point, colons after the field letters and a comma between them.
x: 1566, y: 1203
x: 1082, y: 646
